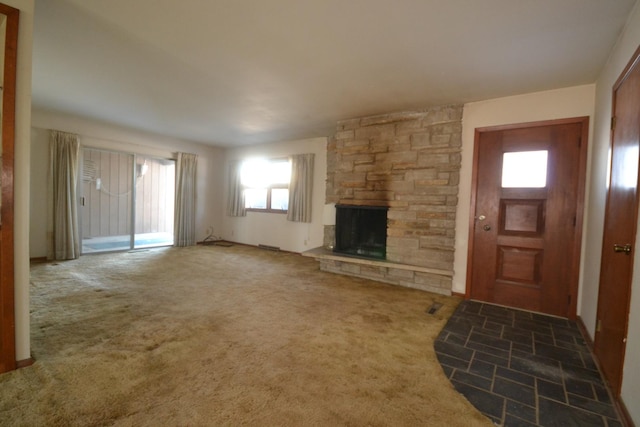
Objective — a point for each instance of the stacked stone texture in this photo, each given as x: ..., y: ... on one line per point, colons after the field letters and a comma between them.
x: 410, y: 162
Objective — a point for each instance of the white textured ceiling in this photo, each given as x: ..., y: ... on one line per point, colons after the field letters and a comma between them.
x: 233, y: 72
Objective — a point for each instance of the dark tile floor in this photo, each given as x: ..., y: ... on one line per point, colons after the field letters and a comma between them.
x: 523, y: 369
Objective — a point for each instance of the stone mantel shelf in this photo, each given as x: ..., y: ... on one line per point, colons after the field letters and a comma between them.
x: 324, y: 253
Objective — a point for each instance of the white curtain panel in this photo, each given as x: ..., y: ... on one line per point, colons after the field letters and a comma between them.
x: 301, y: 188
x: 235, y: 194
x: 184, y: 228
x: 63, y: 236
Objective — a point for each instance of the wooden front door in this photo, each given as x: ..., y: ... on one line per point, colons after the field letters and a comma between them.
x: 526, y: 220
x: 621, y: 218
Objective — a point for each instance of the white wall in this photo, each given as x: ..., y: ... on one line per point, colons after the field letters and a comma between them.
x: 21, y: 177
x: 100, y: 135
x: 628, y: 42
x: 575, y: 101
x: 273, y: 229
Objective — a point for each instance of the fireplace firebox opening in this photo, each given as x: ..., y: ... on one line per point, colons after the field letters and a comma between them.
x: 361, y: 231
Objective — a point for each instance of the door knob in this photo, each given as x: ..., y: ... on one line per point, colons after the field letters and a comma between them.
x: 486, y: 227
x: 622, y: 248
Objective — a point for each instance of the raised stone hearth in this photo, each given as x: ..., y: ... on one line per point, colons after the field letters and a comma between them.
x: 411, y: 276
x: 409, y: 162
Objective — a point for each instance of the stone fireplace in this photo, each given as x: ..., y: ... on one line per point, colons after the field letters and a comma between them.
x: 408, y: 162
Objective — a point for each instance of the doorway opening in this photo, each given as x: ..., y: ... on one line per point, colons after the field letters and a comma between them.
x: 127, y: 201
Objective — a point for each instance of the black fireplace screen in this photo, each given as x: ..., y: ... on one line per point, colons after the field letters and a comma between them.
x: 361, y: 231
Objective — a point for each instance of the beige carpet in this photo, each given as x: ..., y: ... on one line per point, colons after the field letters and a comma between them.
x: 206, y: 336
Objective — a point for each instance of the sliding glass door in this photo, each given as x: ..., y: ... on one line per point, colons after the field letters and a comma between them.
x: 155, y: 195
x: 106, y: 201
x: 127, y: 201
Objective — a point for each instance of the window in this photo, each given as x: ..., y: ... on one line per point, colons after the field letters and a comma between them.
x: 266, y: 184
x: 524, y: 169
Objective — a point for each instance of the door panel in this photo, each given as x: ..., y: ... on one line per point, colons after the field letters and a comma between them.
x: 523, y: 235
x: 106, y: 203
x: 621, y: 213
x: 524, y: 217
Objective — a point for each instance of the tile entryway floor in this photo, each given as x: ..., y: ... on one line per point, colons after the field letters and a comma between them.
x: 523, y: 369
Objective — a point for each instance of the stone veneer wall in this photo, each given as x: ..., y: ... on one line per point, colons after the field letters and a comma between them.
x: 410, y: 162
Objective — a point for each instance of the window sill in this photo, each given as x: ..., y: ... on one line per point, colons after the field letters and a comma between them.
x: 278, y: 211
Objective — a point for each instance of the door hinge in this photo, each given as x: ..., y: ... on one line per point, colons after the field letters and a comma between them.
x: 574, y: 220
x: 598, y: 325
x: 613, y: 122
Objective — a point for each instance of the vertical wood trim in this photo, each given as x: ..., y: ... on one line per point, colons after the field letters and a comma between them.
x: 472, y: 211
x: 579, y: 223
x: 7, y: 291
